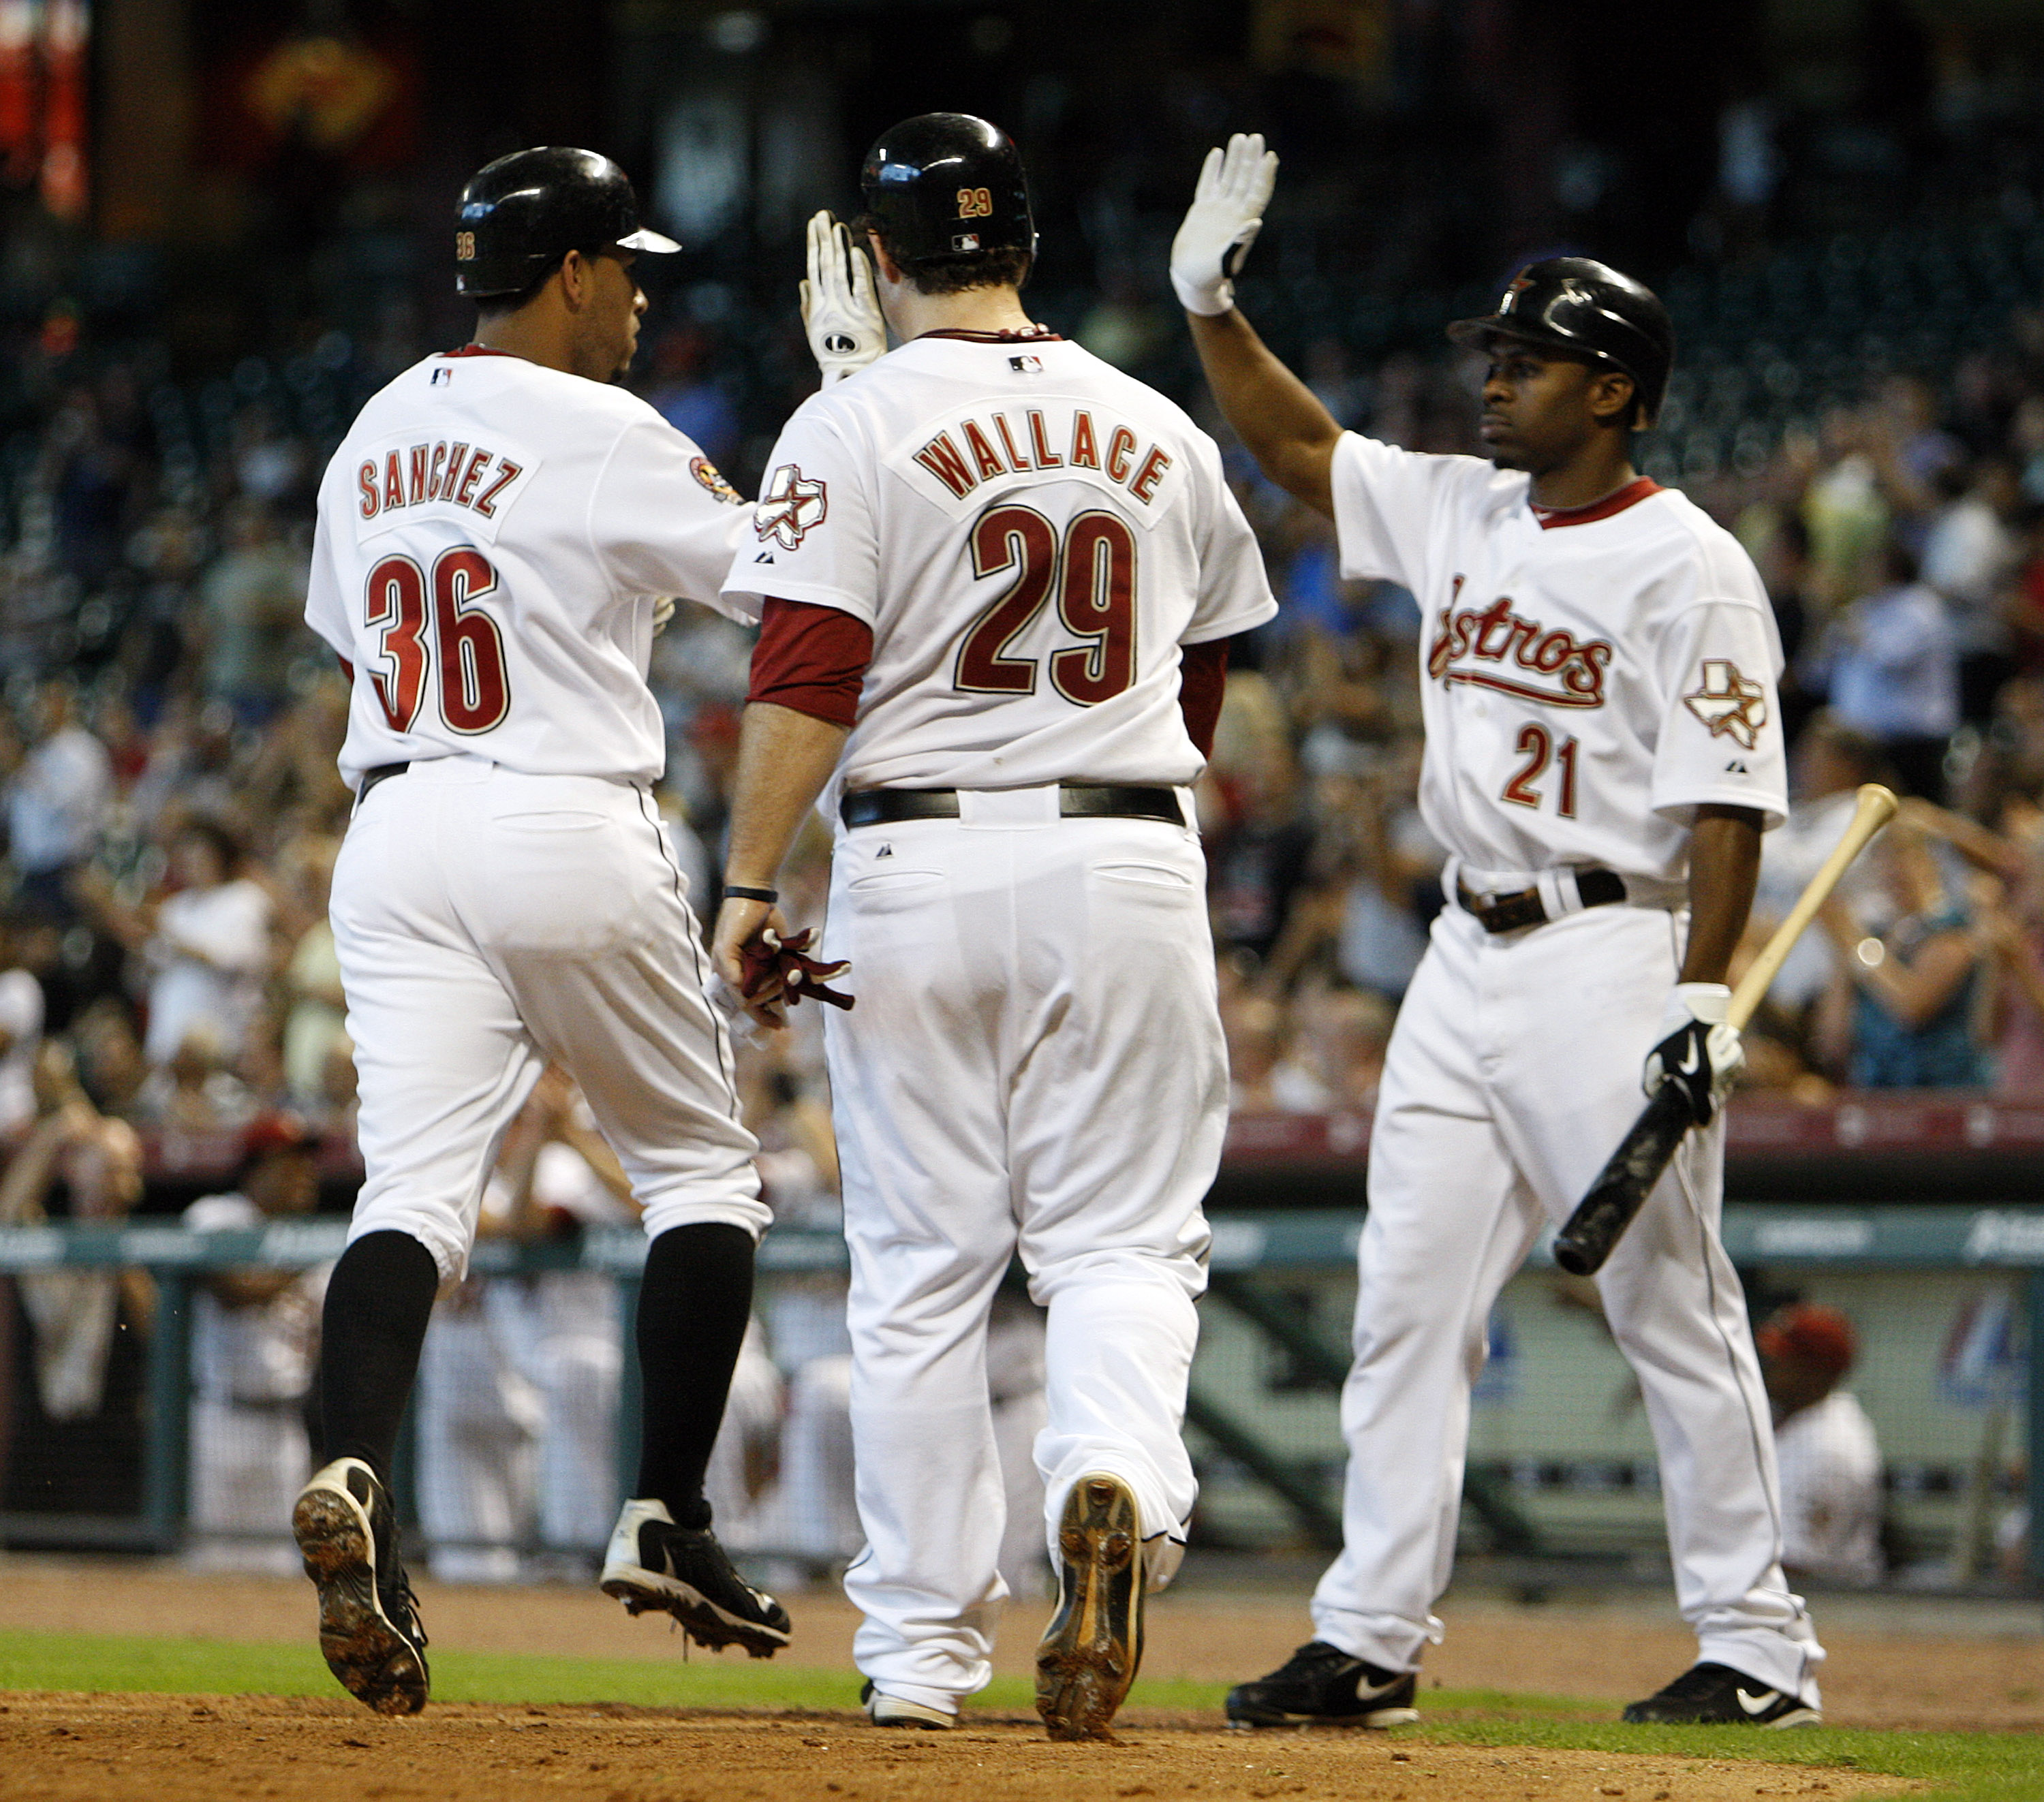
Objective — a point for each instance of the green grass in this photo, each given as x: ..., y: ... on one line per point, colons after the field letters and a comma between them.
x: 1963, y: 1767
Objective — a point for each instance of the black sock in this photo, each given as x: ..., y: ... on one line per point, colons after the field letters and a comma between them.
x: 378, y: 1302
x: 693, y: 1303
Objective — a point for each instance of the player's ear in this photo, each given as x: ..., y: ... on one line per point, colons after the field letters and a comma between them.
x: 1612, y: 394
x: 577, y: 274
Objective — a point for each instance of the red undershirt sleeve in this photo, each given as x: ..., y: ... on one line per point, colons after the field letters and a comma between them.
x: 811, y: 659
x: 1202, y: 682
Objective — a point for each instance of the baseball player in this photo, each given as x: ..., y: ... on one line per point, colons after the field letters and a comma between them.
x: 494, y: 534
x: 997, y: 579
x: 1604, y: 750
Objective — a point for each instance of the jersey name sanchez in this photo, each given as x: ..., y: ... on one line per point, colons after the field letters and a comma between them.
x: 1589, y: 679
x: 492, y: 534
x: 1031, y: 536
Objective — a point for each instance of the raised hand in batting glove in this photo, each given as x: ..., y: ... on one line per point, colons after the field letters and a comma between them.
x: 1226, y: 213
x: 840, y: 312
x: 1699, y: 1052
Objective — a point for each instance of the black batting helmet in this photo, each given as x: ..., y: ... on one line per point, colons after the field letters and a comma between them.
x: 521, y: 214
x: 946, y: 184
x: 1574, y: 303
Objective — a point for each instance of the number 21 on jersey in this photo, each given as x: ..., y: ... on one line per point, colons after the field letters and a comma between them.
x: 1537, y: 746
x: 455, y: 637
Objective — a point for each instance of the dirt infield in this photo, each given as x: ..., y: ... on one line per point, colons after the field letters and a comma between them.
x: 1607, y: 1650
x: 182, y: 1749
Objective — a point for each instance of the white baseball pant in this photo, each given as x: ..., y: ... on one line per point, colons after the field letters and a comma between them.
x: 487, y: 921
x: 1513, y: 1073
x: 1035, y: 1065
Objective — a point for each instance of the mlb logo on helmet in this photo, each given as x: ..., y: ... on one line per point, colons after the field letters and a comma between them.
x: 965, y: 240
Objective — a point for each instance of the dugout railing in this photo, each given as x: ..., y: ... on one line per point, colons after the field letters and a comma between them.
x: 1949, y: 1301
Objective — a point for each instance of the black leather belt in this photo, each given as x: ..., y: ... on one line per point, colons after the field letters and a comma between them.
x: 382, y: 773
x: 1507, y: 913
x: 878, y: 807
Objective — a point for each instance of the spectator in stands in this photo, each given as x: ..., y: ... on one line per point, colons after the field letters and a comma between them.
x: 1900, y: 1010
x: 110, y: 1063
x: 1345, y: 1033
x: 316, y: 1024
x: 1889, y: 665
x: 1824, y: 1446
x: 207, y: 942
x: 255, y: 1342
x: 1827, y: 766
x: 57, y: 800
x: 1969, y: 554
x: 78, y: 1164
x: 251, y: 615
x: 21, y: 1035
x: 1263, y: 1076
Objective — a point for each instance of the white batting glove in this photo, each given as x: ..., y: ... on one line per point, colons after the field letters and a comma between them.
x: 664, y: 612
x: 1226, y: 213
x: 1698, y: 1050
x: 839, y: 310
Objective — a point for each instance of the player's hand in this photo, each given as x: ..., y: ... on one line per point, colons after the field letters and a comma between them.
x: 1699, y: 1052
x: 840, y: 312
x: 741, y: 924
x: 664, y: 612
x: 1226, y: 213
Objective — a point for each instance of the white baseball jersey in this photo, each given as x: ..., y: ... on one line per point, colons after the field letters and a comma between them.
x: 491, y: 536
x: 1589, y: 678
x: 1054, y: 531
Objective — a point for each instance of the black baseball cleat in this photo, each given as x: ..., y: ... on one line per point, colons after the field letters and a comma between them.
x: 651, y: 1563
x: 1090, y: 1652
x: 1717, y: 1695
x: 1321, y: 1685
x: 369, y: 1625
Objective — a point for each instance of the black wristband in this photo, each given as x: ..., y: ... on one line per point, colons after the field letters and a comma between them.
x: 770, y: 895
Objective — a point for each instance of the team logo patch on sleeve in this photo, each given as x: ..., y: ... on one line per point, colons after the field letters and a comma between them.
x: 707, y: 473
x: 789, y: 507
x: 1728, y: 703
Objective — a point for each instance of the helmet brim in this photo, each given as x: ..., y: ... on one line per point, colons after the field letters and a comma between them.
x: 1475, y: 333
x: 645, y: 238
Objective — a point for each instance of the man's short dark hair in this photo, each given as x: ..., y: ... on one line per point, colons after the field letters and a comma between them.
x: 1007, y: 267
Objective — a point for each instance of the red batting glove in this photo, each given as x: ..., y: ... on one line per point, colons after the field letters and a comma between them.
x: 770, y: 956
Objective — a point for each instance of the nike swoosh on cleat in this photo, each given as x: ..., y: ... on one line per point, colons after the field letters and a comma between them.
x: 1757, y: 1704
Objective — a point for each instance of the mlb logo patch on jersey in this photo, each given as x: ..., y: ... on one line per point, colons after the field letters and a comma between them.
x: 442, y: 377
x: 1026, y: 365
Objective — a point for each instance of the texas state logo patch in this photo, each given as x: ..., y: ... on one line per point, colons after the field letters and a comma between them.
x: 789, y: 507
x: 1732, y: 705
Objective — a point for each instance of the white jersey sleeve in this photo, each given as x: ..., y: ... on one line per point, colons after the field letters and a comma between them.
x: 1234, y: 592
x: 814, y: 532
x: 1720, y: 740
x: 662, y: 520
x: 1386, y: 502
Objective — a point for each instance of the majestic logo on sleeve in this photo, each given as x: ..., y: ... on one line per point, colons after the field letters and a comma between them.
x: 789, y: 507
x: 1529, y: 662
x: 1730, y: 705
x: 707, y: 473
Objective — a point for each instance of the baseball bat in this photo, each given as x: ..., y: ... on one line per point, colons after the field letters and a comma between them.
x: 1621, y: 1188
